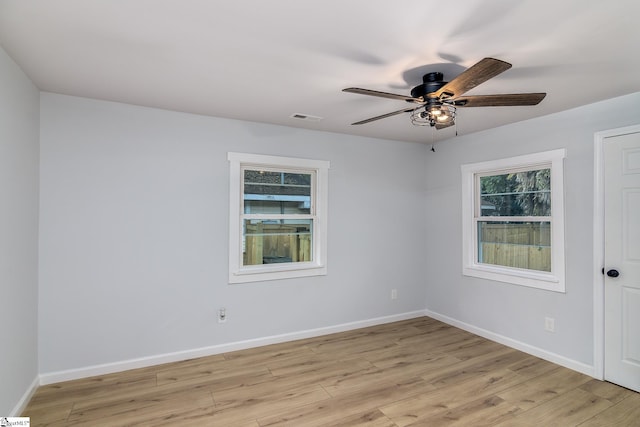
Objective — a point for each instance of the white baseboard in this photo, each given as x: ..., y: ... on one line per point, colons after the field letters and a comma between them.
x: 529, y: 349
x: 108, y: 368
x: 26, y: 397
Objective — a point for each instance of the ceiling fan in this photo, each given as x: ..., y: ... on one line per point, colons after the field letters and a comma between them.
x: 434, y: 102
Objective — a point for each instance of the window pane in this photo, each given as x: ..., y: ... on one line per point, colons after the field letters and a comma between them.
x: 277, y: 241
x: 516, y: 194
x: 515, y: 244
x: 271, y: 192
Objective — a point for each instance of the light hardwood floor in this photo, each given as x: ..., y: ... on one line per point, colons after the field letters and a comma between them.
x: 418, y: 372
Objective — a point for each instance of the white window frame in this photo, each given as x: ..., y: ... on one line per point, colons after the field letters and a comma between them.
x: 553, y: 280
x: 239, y: 273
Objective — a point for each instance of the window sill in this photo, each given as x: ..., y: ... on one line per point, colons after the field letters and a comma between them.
x: 262, y: 273
x: 539, y: 280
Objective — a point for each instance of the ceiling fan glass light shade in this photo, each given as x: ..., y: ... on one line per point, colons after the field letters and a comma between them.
x: 433, y: 114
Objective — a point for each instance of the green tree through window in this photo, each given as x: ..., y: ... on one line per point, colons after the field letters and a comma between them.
x: 516, y: 194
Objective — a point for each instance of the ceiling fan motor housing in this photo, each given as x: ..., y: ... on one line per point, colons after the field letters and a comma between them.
x: 431, y: 83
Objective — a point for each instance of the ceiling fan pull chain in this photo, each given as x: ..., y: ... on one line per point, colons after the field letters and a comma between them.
x: 433, y: 149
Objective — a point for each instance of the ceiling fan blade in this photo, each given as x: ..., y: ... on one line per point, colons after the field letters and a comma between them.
x: 382, y: 94
x: 384, y: 116
x: 444, y: 125
x: 472, y: 77
x: 507, y: 100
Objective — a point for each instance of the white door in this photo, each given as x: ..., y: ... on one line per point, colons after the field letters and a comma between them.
x: 622, y: 260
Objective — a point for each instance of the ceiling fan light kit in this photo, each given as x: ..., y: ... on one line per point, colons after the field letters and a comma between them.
x: 438, y: 116
x: 434, y: 102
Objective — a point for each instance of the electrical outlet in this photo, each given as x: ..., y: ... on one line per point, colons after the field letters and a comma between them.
x: 549, y: 324
x: 222, y: 315
x: 394, y: 294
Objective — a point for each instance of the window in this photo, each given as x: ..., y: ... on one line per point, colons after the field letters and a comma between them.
x: 278, y: 217
x: 513, y: 220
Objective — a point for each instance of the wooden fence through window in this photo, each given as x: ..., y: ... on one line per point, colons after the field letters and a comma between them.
x: 275, y: 243
x: 519, y: 245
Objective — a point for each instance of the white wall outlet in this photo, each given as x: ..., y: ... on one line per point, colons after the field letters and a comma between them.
x: 222, y: 315
x: 394, y: 294
x: 549, y: 324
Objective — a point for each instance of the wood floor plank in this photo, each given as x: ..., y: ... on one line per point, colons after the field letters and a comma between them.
x: 624, y: 413
x: 440, y: 336
x: 146, y: 408
x: 284, y: 384
x: 272, y: 390
x: 481, y: 364
x: 487, y: 411
x: 418, y: 372
x: 560, y: 380
x: 98, y: 386
x: 531, y: 367
x: 231, y: 412
x: 373, y: 418
x: 205, y: 373
x: 355, y: 345
x: 526, y: 396
x: 471, y: 348
x: 332, y: 411
x: 375, y: 376
x: 608, y: 391
x: 189, y: 363
x: 261, y: 355
x: 568, y: 409
x: 316, y: 362
x: 436, y: 403
x: 538, y: 390
x: 54, y: 413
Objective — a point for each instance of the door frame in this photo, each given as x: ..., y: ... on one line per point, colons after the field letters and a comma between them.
x: 598, y: 245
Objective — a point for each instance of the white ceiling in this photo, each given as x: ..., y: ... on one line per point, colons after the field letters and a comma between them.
x: 266, y: 60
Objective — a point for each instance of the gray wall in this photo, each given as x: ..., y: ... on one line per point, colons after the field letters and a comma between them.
x: 19, y: 109
x: 510, y: 311
x: 134, y: 233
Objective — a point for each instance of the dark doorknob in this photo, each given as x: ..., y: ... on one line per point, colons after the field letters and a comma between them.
x: 613, y: 273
